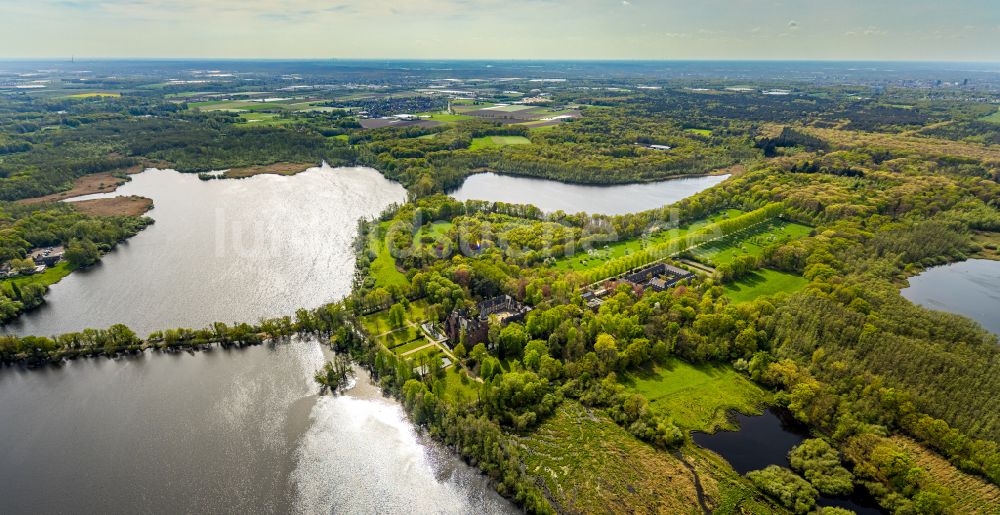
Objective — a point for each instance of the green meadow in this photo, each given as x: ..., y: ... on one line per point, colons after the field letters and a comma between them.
x: 763, y: 282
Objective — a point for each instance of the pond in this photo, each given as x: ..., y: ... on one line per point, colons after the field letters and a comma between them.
x: 221, y: 250
x: 224, y: 431
x: 970, y: 288
x: 766, y: 440
x: 552, y: 196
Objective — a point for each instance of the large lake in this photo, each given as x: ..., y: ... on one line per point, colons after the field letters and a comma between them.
x: 225, y: 431
x: 222, y: 250
x: 970, y: 288
x: 553, y: 196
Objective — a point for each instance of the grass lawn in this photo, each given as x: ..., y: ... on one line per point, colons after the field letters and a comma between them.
x: 497, y: 141
x: 697, y: 398
x: 763, y: 282
x: 400, y: 337
x: 428, y: 352
x: 409, y: 346
x: 750, y: 243
x: 582, y: 261
x: 49, y: 277
x: 994, y: 118
x: 457, y: 386
x: 378, y: 323
x: 383, y: 267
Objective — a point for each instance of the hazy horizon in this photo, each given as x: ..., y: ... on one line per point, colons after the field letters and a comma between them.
x: 734, y: 30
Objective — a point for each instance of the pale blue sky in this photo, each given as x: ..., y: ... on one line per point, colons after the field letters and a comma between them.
x: 504, y: 29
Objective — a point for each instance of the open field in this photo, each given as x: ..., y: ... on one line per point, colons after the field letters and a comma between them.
x: 444, y: 116
x: 497, y: 141
x: 992, y: 118
x: 750, y: 243
x: 585, y: 463
x: 273, y: 169
x: 94, y: 95
x: 383, y: 267
x: 259, y: 118
x: 132, y: 205
x: 697, y: 398
x: 588, y: 464
x: 513, y: 108
x: 103, y: 182
x: 582, y: 261
x: 700, y: 132
x: 763, y: 282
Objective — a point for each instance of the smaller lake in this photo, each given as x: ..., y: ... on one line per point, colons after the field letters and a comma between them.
x: 766, y: 440
x: 552, y: 196
x: 970, y: 288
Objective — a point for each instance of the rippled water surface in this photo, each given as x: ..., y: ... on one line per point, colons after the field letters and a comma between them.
x: 573, y: 198
x: 238, y: 431
x: 222, y: 250
x: 970, y: 288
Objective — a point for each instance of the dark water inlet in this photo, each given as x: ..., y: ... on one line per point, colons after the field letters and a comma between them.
x: 765, y: 440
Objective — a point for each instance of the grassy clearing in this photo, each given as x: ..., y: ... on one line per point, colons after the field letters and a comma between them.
x: 383, y: 267
x: 433, y: 238
x: 378, y: 323
x: 992, y: 118
x: 94, y: 95
x: 697, y: 398
x: 582, y: 261
x: 400, y: 337
x: 47, y: 278
x: 444, y: 116
x: 750, y: 243
x: 585, y: 463
x: 763, y: 282
x: 588, y: 464
x: 258, y: 118
x: 458, y: 387
x: 498, y: 141
x: 700, y: 132
x: 410, y: 345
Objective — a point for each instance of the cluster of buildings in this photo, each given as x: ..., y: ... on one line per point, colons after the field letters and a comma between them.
x: 503, y: 309
x: 476, y: 328
x: 656, y: 277
x: 43, y: 258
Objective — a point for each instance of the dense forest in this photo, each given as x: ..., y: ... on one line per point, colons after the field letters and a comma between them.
x: 880, y: 382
